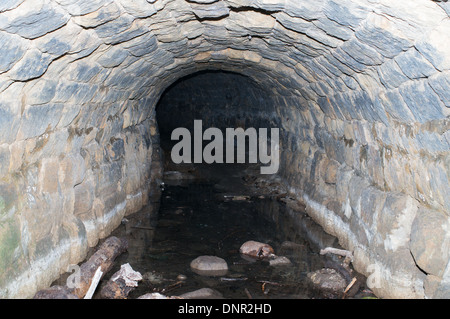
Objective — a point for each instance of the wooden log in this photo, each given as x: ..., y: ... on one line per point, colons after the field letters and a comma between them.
x: 116, y: 289
x: 104, y: 257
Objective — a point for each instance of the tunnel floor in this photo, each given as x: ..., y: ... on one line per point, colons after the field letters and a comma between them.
x: 213, y: 210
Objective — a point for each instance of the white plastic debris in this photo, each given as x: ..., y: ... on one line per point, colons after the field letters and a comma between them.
x: 130, y: 276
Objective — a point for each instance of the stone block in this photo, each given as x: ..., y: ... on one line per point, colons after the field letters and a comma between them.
x: 292, y: 23
x: 395, y: 106
x: 330, y: 172
x: 82, y: 7
x: 440, y: 85
x: 138, y: 8
x: 345, y: 13
x: 430, y: 243
x: 442, y: 291
x: 115, y: 149
x: 322, y: 37
x: 356, y: 187
x: 305, y: 9
x: 13, y: 48
x: 142, y: 45
x: 348, y: 61
x: 9, y: 121
x: 391, y: 76
x: 36, y: 19
x: 31, y: 66
x: 105, y: 14
x: 334, y: 29
x: 435, y: 46
x: 372, y: 203
x: 59, y: 42
x: 395, y: 220
x: 82, y: 71
x: 112, y: 57
x: 114, y: 27
x: 36, y: 120
x: 414, y: 65
x: 84, y: 198
x: 10, y: 4
x: 362, y: 53
x: 40, y: 92
x: 121, y: 30
x: 422, y: 101
x: 48, y: 176
x: 211, y: 11
x: 384, y: 35
x: 5, y: 156
x: 250, y: 21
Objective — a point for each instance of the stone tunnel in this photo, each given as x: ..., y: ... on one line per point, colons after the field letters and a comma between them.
x: 360, y: 90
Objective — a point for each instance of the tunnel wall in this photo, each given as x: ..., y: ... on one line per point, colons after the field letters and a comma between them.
x: 360, y: 87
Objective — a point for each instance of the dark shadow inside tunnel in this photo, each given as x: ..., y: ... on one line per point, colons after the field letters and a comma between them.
x: 220, y: 100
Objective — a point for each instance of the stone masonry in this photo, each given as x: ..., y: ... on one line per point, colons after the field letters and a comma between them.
x: 360, y: 88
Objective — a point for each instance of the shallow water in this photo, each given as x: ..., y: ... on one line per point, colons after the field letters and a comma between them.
x: 215, y: 216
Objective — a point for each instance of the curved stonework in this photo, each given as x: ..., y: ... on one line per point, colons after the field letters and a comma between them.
x: 361, y: 90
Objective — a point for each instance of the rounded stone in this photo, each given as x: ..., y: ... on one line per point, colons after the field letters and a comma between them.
x: 181, y: 277
x: 328, y: 280
x: 256, y: 249
x: 280, y: 261
x: 209, y: 266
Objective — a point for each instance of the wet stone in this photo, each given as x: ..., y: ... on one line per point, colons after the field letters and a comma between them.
x: 209, y: 266
x: 203, y: 293
x: 256, y: 249
x: 328, y: 280
x: 280, y: 261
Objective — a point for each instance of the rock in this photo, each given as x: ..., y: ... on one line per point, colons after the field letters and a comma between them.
x: 9, y: 4
x: 153, y: 278
x: 328, y: 280
x: 209, y: 266
x: 105, y: 14
x: 391, y: 76
x: 37, y: 119
x: 423, y: 102
x: 256, y: 249
x: 112, y: 57
x: 378, y: 32
x: 434, y: 47
x: 181, y: 277
x: 280, y: 261
x: 32, y: 65
x: 203, y: 293
x: 138, y: 8
x: 203, y: 1
x: 55, y: 292
x: 440, y: 85
x: 13, y: 48
x: 414, y: 65
x: 349, y: 14
x: 36, y: 19
x: 429, y: 241
x: 154, y: 295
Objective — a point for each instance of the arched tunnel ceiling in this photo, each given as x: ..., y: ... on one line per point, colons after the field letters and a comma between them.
x: 356, y: 59
x: 363, y: 92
